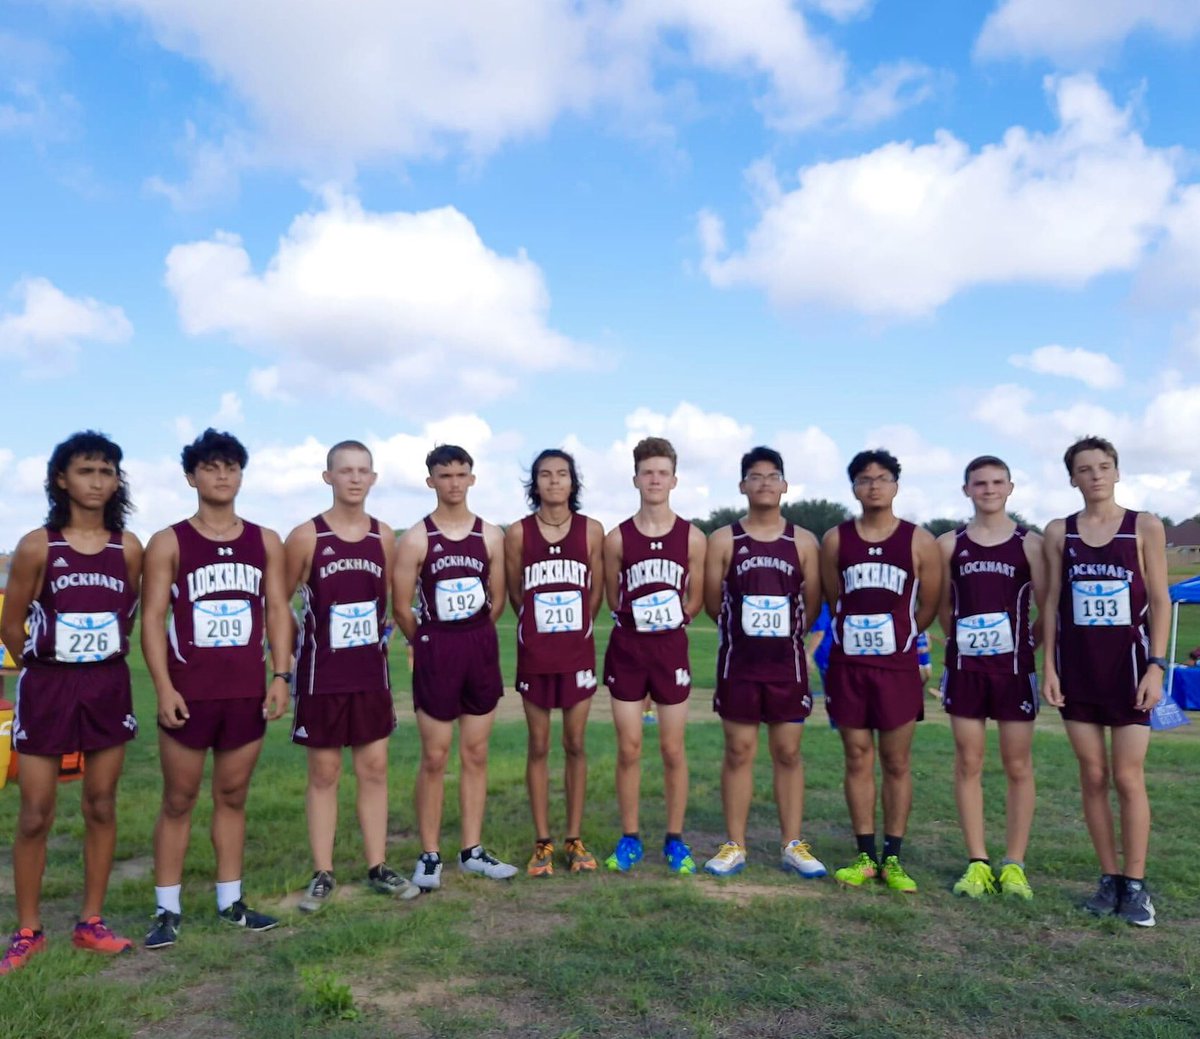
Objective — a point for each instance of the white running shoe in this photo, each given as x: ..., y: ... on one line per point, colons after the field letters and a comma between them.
x: 729, y: 859
x: 795, y: 857
x: 483, y: 864
x: 428, y: 874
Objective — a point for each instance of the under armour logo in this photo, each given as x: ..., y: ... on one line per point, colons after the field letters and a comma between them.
x: 556, y: 550
x: 130, y: 723
x: 523, y: 687
x: 329, y: 551
x: 875, y: 551
x: 224, y: 551
x: 1027, y: 707
x: 655, y: 546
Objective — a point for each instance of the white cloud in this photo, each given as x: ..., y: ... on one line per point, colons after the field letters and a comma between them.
x: 1092, y: 368
x: 342, y: 85
x: 44, y: 336
x: 229, y: 413
x: 900, y: 230
x: 411, y: 312
x: 1071, y: 30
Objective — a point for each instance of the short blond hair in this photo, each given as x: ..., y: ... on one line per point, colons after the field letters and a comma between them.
x: 654, y: 447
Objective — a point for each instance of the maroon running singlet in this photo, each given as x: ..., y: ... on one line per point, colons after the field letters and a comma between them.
x: 1103, y: 640
x: 73, y: 692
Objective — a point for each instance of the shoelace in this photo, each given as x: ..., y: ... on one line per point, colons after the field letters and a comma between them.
x: 801, y: 849
x: 97, y: 926
x: 728, y: 851
x: 20, y: 943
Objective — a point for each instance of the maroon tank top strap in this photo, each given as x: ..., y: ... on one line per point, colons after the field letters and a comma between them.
x: 320, y: 525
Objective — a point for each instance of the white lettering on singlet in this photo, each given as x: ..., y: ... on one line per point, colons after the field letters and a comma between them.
x: 444, y: 562
x: 556, y: 571
x: 223, y: 577
x: 874, y: 575
x: 340, y: 565
x: 987, y: 566
x: 1112, y: 570
x: 765, y: 562
x: 657, y: 571
x: 113, y: 584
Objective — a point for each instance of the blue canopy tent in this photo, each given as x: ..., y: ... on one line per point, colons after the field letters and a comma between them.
x: 1184, y: 682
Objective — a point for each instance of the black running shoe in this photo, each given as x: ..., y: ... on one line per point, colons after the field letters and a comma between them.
x: 1135, y: 906
x: 316, y: 897
x: 1107, y: 897
x: 165, y: 930
x: 386, y: 881
x: 241, y: 915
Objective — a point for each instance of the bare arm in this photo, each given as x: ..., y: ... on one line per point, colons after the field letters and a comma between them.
x: 697, y: 550
x: 1052, y: 543
x: 493, y: 538
x: 945, y: 544
x: 133, y: 552
x: 595, y: 539
x: 929, y: 574
x: 410, y: 557
x: 1152, y: 545
x: 514, y: 548
x: 1035, y: 555
x: 830, y: 584
x: 613, y: 558
x: 158, y: 572
x: 809, y: 553
x: 25, y: 578
x: 716, y: 565
x: 388, y: 537
x: 298, y: 552
x: 279, y: 624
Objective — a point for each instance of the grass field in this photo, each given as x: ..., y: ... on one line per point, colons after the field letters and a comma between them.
x: 640, y: 955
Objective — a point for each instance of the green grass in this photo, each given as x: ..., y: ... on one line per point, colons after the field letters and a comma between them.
x: 639, y: 955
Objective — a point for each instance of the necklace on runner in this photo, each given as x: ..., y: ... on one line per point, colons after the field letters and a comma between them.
x: 220, y: 535
x: 561, y: 523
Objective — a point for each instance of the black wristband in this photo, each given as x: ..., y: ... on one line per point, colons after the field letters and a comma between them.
x: 285, y: 675
x: 1162, y: 662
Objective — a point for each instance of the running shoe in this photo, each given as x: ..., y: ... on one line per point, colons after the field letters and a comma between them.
x: 679, y: 858
x: 165, y: 930
x: 484, y: 864
x: 428, y: 874
x: 896, y: 878
x: 979, y: 880
x: 1135, y: 906
x: 1013, y: 881
x: 241, y: 915
x: 1107, y: 897
x: 384, y: 880
x: 649, y: 717
x: 729, y: 860
x: 627, y: 854
x: 579, y: 859
x: 320, y: 888
x: 23, y: 944
x: 541, y: 862
x: 797, y: 857
x: 858, y: 872
x: 95, y: 935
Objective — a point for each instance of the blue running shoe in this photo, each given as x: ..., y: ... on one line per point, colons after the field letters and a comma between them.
x: 628, y: 853
x: 679, y: 858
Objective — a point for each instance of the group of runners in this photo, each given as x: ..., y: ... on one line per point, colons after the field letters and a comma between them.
x: 216, y: 588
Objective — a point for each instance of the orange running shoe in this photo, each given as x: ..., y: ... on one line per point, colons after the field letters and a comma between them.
x: 94, y: 935
x: 541, y: 864
x: 24, y: 943
x: 579, y: 858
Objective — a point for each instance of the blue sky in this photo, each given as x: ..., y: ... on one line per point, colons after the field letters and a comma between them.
x: 948, y: 228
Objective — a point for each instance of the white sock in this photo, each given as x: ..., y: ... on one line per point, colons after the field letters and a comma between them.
x: 168, y: 898
x: 228, y: 892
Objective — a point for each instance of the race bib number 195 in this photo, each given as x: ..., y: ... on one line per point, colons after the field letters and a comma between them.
x: 84, y: 638
x: 868, y: 635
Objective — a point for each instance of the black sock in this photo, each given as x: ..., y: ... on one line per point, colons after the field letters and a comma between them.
x: 570, y: 840
x: 673, y: 837
x: 373, y: 872
x: 986, y: 862
x: 467, y: 852
x: 891, y: 845
x: 866, y: 845
x: 543, y: 840
x: 632, y: 836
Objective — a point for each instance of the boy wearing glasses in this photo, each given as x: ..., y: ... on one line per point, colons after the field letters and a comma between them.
x: 882, y: 577
x: 762, y: 585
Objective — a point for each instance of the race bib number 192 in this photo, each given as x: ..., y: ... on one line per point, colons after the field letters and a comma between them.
x: 459, y: 598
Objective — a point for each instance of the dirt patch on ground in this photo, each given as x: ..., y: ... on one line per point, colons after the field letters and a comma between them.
x: 740, y: 892
x: 191, y: 1017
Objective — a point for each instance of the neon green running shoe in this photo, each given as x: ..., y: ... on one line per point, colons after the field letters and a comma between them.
x: 895, y: 877
x: 1014, y: 882
x: 679, y: 857
x: 977, y: 881
x: 858, y: 872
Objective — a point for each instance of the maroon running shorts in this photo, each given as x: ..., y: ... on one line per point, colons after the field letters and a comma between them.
x: 982, y: 694
x: 637, y: 664
x: 557, y: 691
x: 749, y: 702
x: 456, y: 672
x: 859, y: 696
x: 68, y: 708
x: 221, y: 724
x: 342, y: 719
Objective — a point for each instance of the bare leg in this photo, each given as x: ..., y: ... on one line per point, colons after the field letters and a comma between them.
x: 103, y: 769
x: 1088, y: 743
x: 230, y: 785
x: 858, y: 746
x: 431, y: 778
x: 39, y: 790
x: 575, y: 770
x: 672, y: 724
x: 783, y: 739
x: 627, y: 717
x: 970, y: 736
x: 371, y: 771
x: 737, y: 777
x: 474, y: 732
x: 320, y: 802
x: 895, y: 752
x: 182, y: 770
x: 537, y: 772
x: 1016, y: 751
x: 1129, y: 745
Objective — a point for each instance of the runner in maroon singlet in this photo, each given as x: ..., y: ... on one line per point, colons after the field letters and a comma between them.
x: 75, y: 582
x: 882, y: 577
x: 341, y: 561
x: 453, y: 563
x: 762, y: 585
x: 1104, y: 646
x: 214, y: 589
x: 654, y: 577
x: 993, y: 574
x: 554, y: 559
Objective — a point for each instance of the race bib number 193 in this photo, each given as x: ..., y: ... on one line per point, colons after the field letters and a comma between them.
x: 1100, y: 603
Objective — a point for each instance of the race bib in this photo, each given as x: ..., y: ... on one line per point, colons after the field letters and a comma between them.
x: 84, y: 638
x: 868, y: 635
x: 984, y: 635
x: 555, y: 612
x: 459, y: 598
x: 766, y: 616
x: 353, y: 624
x: 1100, y: 603
x: 658, y: 611
x: 222, y: 622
